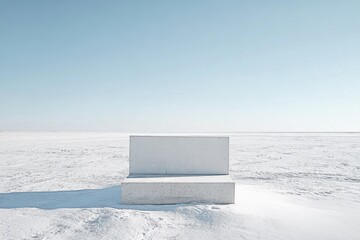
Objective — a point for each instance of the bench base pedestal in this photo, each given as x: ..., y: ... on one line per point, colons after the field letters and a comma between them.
x: 174, y: 189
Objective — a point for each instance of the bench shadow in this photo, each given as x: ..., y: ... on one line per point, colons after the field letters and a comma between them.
x: 109, y: 197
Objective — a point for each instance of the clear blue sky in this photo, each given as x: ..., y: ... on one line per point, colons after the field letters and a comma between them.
x: 174, y: 66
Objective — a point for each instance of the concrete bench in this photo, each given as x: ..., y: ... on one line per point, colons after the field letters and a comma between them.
x: 178, y: 169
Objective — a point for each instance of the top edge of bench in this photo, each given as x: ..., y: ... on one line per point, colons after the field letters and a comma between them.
x: 179, y: 136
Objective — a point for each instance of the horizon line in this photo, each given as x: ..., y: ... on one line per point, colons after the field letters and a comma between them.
x: 105, y: 131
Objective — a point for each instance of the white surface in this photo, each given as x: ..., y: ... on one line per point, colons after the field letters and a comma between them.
x: 175, y: 189
x: 179, y: 155
x: 289, y: 186
x: 179, y: 178
x: 171, y: 155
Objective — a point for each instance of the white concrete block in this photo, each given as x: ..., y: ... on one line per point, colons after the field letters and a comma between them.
x: 179, y: 155
x: 178, y: 169
x: 178, y: 189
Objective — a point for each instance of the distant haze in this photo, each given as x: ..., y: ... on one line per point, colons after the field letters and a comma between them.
x: 180, y: 66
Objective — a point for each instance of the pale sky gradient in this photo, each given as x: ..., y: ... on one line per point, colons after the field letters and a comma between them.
x: 180, y: 66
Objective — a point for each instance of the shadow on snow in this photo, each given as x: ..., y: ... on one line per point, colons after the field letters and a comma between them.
x: 109, y: 197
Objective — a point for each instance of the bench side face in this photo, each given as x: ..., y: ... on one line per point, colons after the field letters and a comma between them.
x: 179, y: 155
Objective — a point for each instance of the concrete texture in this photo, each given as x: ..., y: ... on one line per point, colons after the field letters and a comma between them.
x: 178, y: 189
x: 179, y: 155
x: 178, y: 169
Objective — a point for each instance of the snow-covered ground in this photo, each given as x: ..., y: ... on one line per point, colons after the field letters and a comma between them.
x: 289, y: 186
